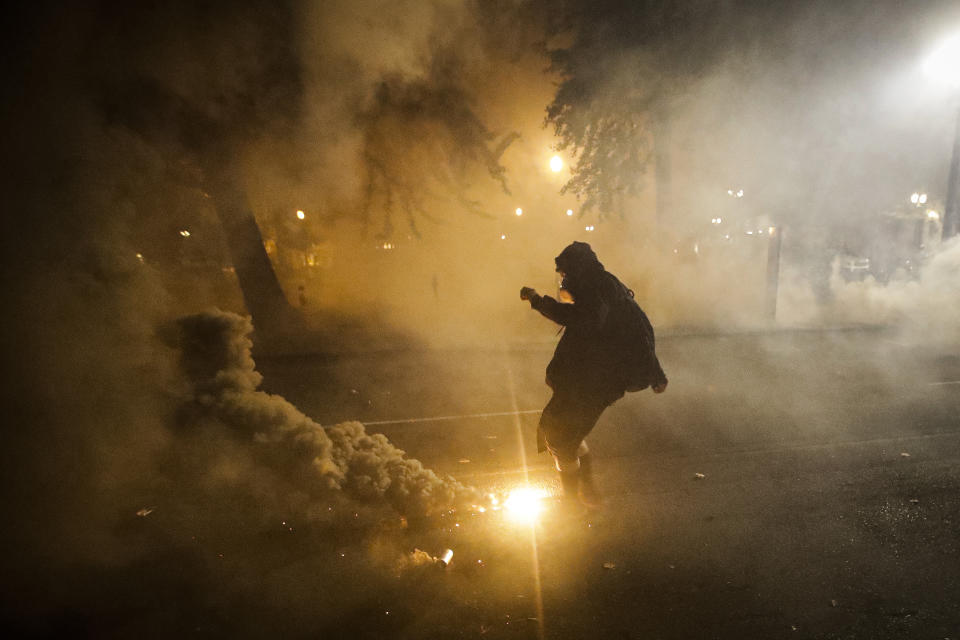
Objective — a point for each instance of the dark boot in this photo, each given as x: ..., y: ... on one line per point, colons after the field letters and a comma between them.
x: 589, y: 493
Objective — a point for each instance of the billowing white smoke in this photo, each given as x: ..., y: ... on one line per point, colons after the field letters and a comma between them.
x: 279, y: 440
x: 926, y: 308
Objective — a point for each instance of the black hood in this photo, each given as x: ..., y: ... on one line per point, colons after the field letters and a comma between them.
x: 578, y: 259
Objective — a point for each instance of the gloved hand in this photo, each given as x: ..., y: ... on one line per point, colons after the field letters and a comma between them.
x: 526, y: 293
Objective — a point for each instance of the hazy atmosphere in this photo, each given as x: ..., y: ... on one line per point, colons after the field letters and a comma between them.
x: 268, y: 373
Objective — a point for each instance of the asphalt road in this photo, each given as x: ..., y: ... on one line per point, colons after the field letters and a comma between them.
x: 787, y: 485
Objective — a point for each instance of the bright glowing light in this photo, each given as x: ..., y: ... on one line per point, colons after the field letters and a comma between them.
x: 569, y: 212
x: 184, y: 233
x: 943, y: 65
x: 519, y: 211
x: 740, y: 193
x: 915, y: 198
x: 301, y: 214
x: 923, y: 198
x: 589, y: 227
x: 503, y: 236
x: 933, y: 215
x: 524, y: 504
x: 140, y: 257
x: 556, y: 164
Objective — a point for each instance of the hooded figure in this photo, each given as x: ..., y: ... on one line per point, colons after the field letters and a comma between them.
x: 586, y: 373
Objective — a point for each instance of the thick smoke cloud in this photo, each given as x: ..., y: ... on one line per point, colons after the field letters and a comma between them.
x: 316, y: 460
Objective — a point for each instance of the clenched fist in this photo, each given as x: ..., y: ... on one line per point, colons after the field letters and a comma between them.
x: 526, y: 293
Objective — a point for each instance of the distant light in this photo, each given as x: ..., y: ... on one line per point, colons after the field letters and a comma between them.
x: 923, y: 198
x: 696, y: 248
x: 943, y: 65
x: 740, y: 193
x: 184, y: 233
x: 556, y: 164
x: 301, y: 214
x: 589, y: 227
x: 729, y: 192
x: 749, y: 233
x: 519, y: 211
x: 503, y: 236
x: 771, y: 230
x: 933, y: 215
x: 140, y: 257
x: 915, y: 198
x: 524, y: 504
x: 569, y: 212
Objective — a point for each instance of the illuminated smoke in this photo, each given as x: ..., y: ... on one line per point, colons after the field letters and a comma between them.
x: 217, y: 361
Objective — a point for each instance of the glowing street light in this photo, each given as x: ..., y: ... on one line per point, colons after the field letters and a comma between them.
x: 518, y: 211
x: 556, y: 164
x: 918, y: 198
x: 943, y: 65
x: 184, y: 233
x: 300, y: 214
x: 569, y: 212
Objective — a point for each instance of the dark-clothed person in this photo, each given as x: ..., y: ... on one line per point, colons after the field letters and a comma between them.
x: 587, y: 373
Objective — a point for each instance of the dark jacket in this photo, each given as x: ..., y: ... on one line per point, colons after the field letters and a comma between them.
x: 589, y: 357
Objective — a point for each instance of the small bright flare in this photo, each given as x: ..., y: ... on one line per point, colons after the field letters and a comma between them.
x: 915, y: 198
x: 503, y: 236
x: 301, y: 214
x: 589, y: 227
x: 569, y: 212
x: 943, y: 64
x: 519, y: 211
x: 933, y: 215
x: 524, y: 504
x: 556, y: 164
x: 923, y: 198
x: 184, y: 233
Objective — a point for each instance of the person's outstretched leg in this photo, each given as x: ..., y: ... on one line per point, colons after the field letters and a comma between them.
x: 589, y: 494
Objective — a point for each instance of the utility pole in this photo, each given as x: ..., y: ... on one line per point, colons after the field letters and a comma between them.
x: 951, y: 215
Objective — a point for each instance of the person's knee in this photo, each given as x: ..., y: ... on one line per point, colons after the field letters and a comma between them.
x: 568, y: 458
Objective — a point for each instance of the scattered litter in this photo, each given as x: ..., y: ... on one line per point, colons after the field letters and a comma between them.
x: 699, y: 476
x: 464, y: 460
x: 143, y: 513
x: 833, y: 603
x: 609, y: 565
x: 904, y: 454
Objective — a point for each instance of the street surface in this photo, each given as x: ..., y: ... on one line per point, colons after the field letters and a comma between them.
x: 787, y: 485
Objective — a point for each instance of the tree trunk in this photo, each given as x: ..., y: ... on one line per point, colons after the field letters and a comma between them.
x: 273, y: 315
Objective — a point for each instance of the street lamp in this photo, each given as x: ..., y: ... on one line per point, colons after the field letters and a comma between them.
x: 943, y: 65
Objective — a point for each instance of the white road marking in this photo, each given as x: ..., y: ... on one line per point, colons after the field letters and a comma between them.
x: 463, y: 417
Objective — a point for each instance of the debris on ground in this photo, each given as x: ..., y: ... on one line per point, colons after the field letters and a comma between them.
x: 699, y: 476
x: 914, y: 501
x: 904, y: 454
x: 143, y: 513
x: 609, y: 565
